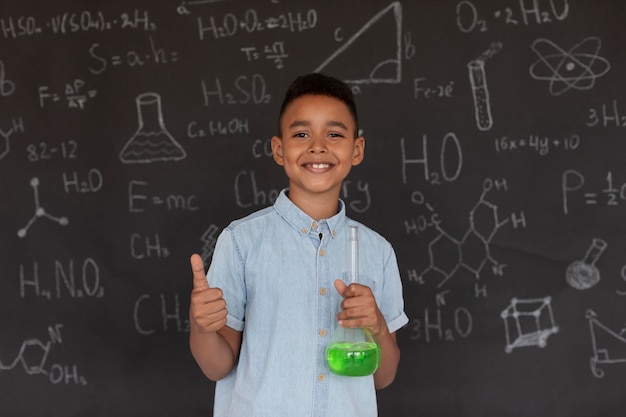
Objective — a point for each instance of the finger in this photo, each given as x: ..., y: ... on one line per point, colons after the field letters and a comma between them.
x: 341, y: 287
x: 199, y: 276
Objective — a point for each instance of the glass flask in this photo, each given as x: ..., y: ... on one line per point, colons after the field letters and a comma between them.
x: 353, y: 351
x: 151, y: 142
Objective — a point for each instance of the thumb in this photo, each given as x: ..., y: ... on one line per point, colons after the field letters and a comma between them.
x: 341, y: 288
x: 199, y: 276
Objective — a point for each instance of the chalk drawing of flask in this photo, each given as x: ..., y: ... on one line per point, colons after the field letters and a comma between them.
x: 151, y: 142
x: 584, y: 274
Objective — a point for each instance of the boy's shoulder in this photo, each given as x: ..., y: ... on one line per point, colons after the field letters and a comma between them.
x: 366, y: 232
x: 252, y: 219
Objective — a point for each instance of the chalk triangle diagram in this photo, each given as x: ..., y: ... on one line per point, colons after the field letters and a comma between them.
x: 378, y: 42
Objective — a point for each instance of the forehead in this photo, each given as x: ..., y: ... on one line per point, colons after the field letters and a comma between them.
x: 314, y: 108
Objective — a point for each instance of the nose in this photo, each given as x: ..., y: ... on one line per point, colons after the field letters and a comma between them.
x: 318, y: 145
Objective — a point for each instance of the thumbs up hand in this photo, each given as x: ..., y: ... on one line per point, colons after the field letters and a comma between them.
x: 207, y: 311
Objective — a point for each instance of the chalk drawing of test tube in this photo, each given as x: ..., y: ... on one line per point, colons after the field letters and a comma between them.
x: 482, y: 106
x: 480, y: 92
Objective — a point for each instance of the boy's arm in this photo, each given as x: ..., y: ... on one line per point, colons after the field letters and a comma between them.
x: 359, y: 309
x: 214, y: 346
x: 389, y: 359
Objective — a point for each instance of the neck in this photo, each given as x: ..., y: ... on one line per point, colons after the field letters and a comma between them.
x: 317, y: 206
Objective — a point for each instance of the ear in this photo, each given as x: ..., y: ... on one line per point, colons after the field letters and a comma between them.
x: 359, y: 151
x: 277, y: 150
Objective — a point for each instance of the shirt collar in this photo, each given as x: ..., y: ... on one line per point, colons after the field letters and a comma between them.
x: 302, y: 222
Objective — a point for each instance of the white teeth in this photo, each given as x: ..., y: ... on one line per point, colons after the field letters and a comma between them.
x: 320, y: 166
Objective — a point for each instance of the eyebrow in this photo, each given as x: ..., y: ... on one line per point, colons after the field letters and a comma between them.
x: 305, y: 123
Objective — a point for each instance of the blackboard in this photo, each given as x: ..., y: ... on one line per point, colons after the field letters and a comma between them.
x: 132, y: 133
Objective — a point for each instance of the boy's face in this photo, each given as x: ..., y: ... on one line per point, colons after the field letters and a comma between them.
x: 318, y: 146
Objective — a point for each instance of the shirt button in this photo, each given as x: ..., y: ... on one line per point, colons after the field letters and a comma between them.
x: 334, y: 232
x: 314, y: 226
x: 321, y: 377
x: 322, y: 332
x: 322, y: 253
x: 304, y: 230
x: 322, y: 291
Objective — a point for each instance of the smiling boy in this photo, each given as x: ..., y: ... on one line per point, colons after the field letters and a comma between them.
x: 262, y: 316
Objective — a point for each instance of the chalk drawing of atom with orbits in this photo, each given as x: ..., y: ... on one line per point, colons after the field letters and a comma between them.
x: 577, y: 68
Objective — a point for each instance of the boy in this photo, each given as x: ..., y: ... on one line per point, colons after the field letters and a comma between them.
x: 261, y: 318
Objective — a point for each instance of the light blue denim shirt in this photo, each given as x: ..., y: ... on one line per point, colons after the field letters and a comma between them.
x: 277, y: 275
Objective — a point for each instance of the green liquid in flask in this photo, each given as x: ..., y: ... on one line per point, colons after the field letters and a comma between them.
x: 353, y: 358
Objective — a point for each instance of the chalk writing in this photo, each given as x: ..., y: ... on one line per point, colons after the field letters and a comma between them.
x: 249, y: 90
x: 68, y: 279
x: 7, y: 87
x: 74, y: 94
x: 42, y: 151
x: 445, y: 90
x: 606, y: 116
x: 534, y: 12
x: 131, y: 58
x: 235, y: 126
x: 611, y: 194
x: 145, y: 247
x: 230, y: 24
x: 274, y: 52
x: 248, y: 193
x: 431, y: 328
x: 139, y: 201
x: 542, y: 145
x: 163, y: 314
x: 92, y: 184
x: 70, y: 22
x: 450, y: 150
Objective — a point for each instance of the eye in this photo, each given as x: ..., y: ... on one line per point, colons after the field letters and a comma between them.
x: 335, y: 136
x: 300, y: 135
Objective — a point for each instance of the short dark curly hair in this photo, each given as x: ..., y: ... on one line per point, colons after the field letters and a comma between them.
x: 319, y: 84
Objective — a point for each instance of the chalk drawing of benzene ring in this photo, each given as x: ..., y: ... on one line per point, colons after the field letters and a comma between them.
x: 577, y: 68
x: 392, y: 65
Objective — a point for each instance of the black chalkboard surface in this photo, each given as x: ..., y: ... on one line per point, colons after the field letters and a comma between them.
x: 132, y: 133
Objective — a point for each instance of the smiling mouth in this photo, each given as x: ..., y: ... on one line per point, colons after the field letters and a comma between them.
x: 319, y: 165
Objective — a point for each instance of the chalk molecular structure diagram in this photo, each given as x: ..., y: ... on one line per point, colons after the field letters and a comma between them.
x: 5, y: 145
x: 472, y: 251
x: 528, y: 323
x: 39, y: 211
x: 33, y: 358
x: 577, y: 68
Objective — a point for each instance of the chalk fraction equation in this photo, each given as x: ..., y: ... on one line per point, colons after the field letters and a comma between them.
x: 13, y: 27
x: 74, y: 94
x: 573, y: 188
